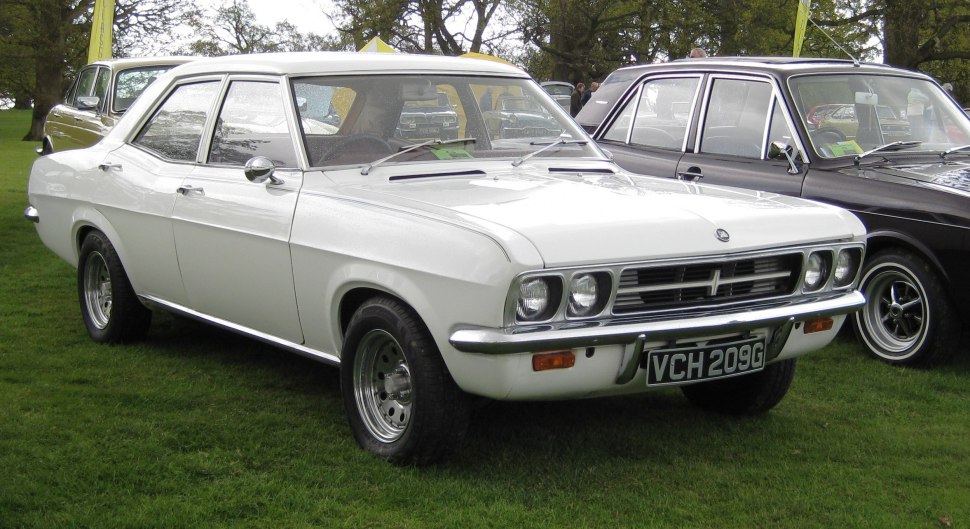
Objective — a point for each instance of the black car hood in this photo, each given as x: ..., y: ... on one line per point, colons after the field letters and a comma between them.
x: 951, y: 176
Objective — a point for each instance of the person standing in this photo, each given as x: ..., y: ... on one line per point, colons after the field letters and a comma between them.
x: 576, y: 99
x: 588, y: 93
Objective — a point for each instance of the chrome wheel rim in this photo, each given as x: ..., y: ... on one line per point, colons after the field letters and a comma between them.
x: 382, y: 386
x: 97, y: 289
x: 896, y: 312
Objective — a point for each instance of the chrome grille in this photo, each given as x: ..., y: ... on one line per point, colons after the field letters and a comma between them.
x: 649, y: 288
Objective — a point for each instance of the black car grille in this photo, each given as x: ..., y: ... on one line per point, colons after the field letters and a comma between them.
x: 651, y: 288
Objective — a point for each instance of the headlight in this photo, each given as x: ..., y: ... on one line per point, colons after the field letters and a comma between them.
x: 534, y: 297
x: 846, y: 266
x: 583, y: 294
x: 816, y: 272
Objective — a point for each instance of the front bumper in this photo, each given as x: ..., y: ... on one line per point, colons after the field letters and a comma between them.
x: 570, y: 335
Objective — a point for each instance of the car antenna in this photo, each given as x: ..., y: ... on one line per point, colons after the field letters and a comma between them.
x: 855, y: 62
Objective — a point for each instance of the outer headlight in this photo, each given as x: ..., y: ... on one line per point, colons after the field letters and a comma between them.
x: 816, y: 272
x: 846, y: 266
x: 583, y: 294
x: 534, y: 297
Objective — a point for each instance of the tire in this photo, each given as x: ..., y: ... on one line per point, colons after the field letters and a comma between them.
x: 751, y: 394
x: 908, y: 318
x: 401, y: 402
x: 109, y: 306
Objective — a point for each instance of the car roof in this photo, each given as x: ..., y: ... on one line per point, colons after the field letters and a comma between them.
x: 336, y: 63
x: 135, y: 62
x: 784, y: 66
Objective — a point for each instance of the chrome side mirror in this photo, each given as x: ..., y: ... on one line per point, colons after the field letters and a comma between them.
x: 88, y: 102
x: 778, y: 150
x: 260, y: 169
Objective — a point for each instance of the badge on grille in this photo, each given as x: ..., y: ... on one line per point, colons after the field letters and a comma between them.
x: 722, y: 235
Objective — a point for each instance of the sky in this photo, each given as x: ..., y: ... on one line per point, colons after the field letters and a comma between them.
x: 307, y: 15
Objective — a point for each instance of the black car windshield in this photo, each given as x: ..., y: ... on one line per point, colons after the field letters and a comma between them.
x: 350, y: 120
x: 848, y: 114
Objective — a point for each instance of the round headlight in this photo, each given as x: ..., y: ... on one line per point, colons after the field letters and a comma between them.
x: 815, y: 272
x: 845, y: 267
x: 583, y: 294
x: 533, y: 299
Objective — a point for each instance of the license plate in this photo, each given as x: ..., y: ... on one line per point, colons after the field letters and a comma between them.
x: 690, y: 364
x: 429, y: 131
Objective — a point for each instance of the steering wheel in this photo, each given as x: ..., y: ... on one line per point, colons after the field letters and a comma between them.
x: 359, y: 144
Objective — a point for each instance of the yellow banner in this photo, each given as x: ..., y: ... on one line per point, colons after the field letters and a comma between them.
x: 101, y: 28
x: 801, y: 23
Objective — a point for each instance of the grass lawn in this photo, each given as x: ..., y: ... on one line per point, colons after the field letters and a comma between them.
x: 200, y: 428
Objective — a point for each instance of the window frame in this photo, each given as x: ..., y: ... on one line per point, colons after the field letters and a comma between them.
x: 633, y: 97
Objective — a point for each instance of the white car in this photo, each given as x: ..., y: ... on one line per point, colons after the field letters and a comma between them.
x: 432, y: 270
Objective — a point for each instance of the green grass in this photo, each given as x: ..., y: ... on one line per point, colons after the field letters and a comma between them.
x: 200, y: 428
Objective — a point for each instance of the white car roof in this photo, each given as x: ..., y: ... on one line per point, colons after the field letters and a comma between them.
x: 336, y: 63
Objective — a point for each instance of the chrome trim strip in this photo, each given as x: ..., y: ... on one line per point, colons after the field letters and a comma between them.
x: 32, y: 214
x: 299, y: 349
x: 623, y: 331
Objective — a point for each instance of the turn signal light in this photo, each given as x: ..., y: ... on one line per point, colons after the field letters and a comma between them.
x: 819, y: 325
x: 553, y: 360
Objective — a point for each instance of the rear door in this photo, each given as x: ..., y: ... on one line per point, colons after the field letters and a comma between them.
x: 649, y: 134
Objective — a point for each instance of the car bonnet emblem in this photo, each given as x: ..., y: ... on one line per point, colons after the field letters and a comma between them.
x: 722, y: 235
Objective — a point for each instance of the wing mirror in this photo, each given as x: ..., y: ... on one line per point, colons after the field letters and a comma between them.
x: 780, y: 150
x: 260, y: 169
x: 88, y: 102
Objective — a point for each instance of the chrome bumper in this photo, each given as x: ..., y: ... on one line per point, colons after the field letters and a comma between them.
x: 32, y: 214
x: 569, y: 335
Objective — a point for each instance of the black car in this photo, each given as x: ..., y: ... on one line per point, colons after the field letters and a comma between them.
x: 889, y: 144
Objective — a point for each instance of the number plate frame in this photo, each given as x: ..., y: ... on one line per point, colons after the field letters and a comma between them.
x: 708, y: 362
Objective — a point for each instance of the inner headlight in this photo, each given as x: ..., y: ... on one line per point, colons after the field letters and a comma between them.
x: 534, y: 296
x: 583, y: 294
x: 816, y: 271
x: 845, y: 267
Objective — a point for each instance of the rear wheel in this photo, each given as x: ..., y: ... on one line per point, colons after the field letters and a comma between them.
x: 401, y: 402
x: 111, y: 310
x: 750, y: 394
x: 908, y: 318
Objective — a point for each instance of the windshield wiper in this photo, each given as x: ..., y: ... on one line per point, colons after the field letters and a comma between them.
x: 560, y: 141
x: 953, y: 150
x: 894, y: 146
x: 367, y: 168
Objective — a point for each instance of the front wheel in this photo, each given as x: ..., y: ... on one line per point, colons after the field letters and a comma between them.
x: 908, y: 318
x: 111, y: 310
x: 750, y: 394
x: 401, y: 402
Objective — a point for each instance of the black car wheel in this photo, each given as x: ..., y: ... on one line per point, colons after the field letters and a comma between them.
x: 908, y: 318
x: 749, y: 394
x: 401, y: 402
x: 111, y: 310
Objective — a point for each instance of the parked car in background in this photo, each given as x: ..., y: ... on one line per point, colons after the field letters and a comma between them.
x: 99, y: 95
x: 520, y: 117
x: 513, y: 267
x: 433, y: 117
x: 884, y: 142
x: 560, y: 91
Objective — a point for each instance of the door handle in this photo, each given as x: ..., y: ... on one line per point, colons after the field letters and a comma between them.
x: 187, y: 190
x: 692, y: 174
x: 110, y: 167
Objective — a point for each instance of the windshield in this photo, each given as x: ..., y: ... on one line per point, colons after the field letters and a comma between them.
x: 847, y: 115
x: 351, y: 120
x: 130, y: 83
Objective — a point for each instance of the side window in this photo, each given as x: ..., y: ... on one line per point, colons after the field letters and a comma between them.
x: 252, y: 123
x: 130, y: 83
x: 85, y: 84
x: 101, y: 88
x: 175, y: 130
x: 736, y: 117
x: 663, y: 113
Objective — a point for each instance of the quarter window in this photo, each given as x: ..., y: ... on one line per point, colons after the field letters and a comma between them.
x: 175, y: 130
x: 252, y: 123
x: 736, y: 118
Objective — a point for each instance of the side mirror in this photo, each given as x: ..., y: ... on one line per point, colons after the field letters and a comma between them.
x: 780, y: 150
x: 88, y: 102
x: 260, y: 169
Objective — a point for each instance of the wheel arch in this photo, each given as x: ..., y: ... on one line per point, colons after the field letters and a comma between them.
x: 87, y: 220
x: 883, y: 239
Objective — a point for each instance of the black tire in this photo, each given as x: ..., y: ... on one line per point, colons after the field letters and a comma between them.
x: 419, y: 416
x: 751, y: 394
x: 111, y: 310
x: 908, y: 318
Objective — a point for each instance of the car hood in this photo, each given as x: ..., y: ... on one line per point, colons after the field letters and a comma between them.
x: 577, y: 217
x: 949, y: 176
